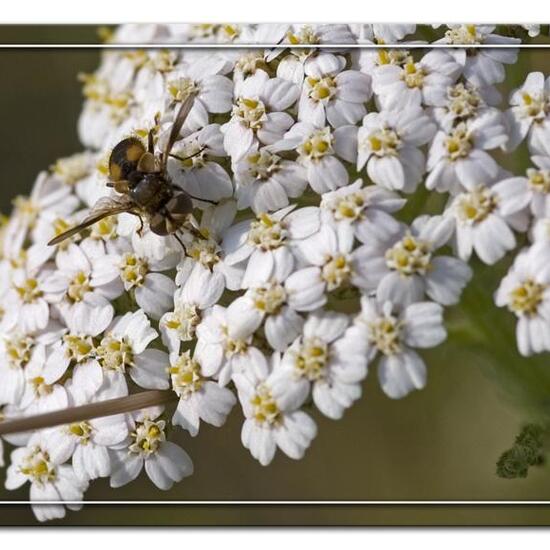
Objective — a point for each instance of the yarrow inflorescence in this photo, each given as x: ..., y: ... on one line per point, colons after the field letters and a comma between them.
x: 303, y: 265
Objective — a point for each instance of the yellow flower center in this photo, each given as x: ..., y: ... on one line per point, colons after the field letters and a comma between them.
x: 29, y: 291
x: 186, y: 375
x: 312, y: 358
x: 267, y: 233
x: 38, y: 467
x: 114, y: 354
x: 475, y: 206
x: 133, y: 270
x: 250, y: 112
x: 384, y: 334
x: 317, y: 145
x: 269, y: 298
x: 526, y: 298
x: 147, y: 437
x: 265, y: 408
x: 336, y: 272
x: 409, y: 256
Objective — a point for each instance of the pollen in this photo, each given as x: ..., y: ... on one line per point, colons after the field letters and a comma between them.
x: 312, y: 359
x: 266, y: 233
x: 409, y: 256
x: 250, y: 112
x: 317, y: 145
x: 384, y: 334
x: 79, y: 287
x: 134, y: 270
x: 147, y: 437
x: 336, y: 272
x: 38, y: 467
x: 29, y: 292
x: 526, y: 298
x: 269, y: 298
x: 475, y: 206
x: 265, y: 408
x: 186, y: 375
x: 115, y: 354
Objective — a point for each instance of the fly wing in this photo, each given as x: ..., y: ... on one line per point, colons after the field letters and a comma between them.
x: 104, y: 207
x: 185, y: 109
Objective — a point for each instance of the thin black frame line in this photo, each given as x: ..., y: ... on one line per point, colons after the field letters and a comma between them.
x: 237, y: 46
x: 289, y: 502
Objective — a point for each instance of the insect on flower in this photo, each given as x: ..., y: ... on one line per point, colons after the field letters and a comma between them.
x: 144, y: 187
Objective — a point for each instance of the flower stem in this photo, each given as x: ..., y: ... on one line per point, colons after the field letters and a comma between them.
x: 109, y: 407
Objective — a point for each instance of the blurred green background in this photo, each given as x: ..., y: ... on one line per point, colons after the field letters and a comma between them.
x: 441, y: 443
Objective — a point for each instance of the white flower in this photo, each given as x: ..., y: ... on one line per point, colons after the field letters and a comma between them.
x: 201, y: 290
x: 258, y: 113
x: 223, y: 349
x: 76, y: 348
x: 333, y: 94
x: 529, y: 114
x: 273, y: 303
x: 271, y: 405
x: 50, y: 480
x: 415, y: 83
x: 330, y: 266
x: 484, y: 217
x: 459, y: 158
x: 123, y: 349
x: 213, y: 92
x: 265, y: 181
x: 291, y: 66
x: 165, y: 462
x: 366, y: 209
x: 384, y: 34
x: 481, y: 66
x: 195, y: 171
x: 75, y: 281
x: 531, y: 191
x: 464, y: 101
x: 525, y: 290
x: 404, y: 268
x: 331, y: 359
x: 388, y: 143
x: 392, y: 335
x: 49, y: 194
x: 266, y: 242
x: 19, y: 351
x: 87, y: 441
x: 199, y: 397
x: 139, y: 266
x: 317, y: 149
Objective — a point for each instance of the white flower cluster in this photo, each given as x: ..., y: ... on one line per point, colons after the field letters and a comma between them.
x: 301, y: 272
